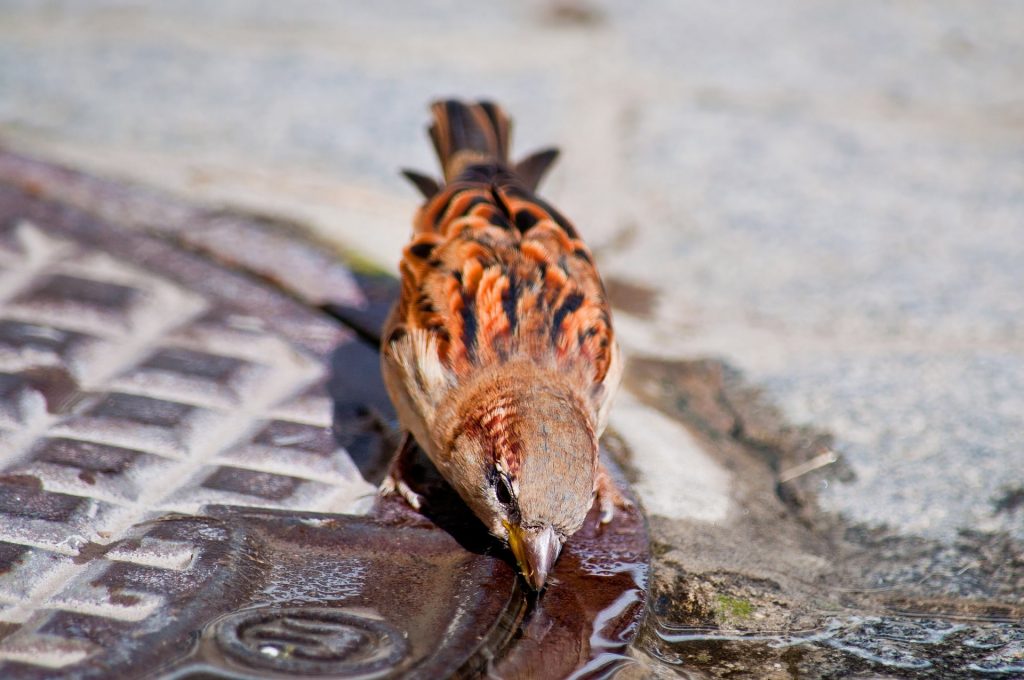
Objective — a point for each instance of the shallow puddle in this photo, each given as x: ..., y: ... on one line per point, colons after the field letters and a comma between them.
x: 892, y: 646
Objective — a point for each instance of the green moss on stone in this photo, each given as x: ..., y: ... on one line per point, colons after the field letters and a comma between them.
x: 733, y: 607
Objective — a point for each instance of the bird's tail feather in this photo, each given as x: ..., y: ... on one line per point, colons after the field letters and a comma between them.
x: 466, y: 134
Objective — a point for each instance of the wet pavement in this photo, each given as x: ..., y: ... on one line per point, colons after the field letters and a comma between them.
x: 185, y: 456
x: 784, y: 590
x: 808, y: 216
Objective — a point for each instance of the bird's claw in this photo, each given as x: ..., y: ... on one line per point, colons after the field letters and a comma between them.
x: 394, y: 481
x: 609, y: 497
x: 393, y: 484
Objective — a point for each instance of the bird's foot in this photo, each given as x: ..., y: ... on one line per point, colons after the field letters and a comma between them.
x: 392, y: 484
x: 609, y: 497
x: 394, y: 480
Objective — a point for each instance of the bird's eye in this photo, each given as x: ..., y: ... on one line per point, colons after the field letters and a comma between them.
x: 503, y: 490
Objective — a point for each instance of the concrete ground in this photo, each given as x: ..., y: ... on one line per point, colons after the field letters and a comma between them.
x: 827, y: 196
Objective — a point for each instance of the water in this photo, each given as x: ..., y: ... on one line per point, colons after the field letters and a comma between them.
x: 894, y: 646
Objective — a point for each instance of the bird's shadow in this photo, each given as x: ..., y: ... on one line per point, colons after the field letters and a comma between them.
x: 365, y: 424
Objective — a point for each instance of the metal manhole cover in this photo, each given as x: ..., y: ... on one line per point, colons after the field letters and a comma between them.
x: 176, y: 444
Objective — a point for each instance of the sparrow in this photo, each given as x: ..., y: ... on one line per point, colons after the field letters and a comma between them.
x: 499, y: 355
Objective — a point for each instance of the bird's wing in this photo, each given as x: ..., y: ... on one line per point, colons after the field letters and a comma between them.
x: 493, y: 273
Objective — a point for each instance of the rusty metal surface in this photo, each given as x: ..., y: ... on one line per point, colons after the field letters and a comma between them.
x: 264, y: 246
x: 244, y: 592
x: 139, y: 380
x: 182, y: 450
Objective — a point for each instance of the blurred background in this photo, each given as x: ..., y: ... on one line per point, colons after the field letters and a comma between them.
x: 827, y: 195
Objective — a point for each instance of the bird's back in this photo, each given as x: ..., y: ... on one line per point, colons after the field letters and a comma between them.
x: 495, y: 273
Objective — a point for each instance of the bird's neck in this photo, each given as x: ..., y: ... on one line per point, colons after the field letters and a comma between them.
x: 498, y: 400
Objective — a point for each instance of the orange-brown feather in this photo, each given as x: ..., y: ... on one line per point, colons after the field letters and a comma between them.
x: 499, y: 291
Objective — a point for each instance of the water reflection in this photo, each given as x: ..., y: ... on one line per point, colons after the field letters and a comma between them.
x: 900, y: 646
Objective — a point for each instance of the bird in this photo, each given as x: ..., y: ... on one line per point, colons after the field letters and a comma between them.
x: 499, y: 354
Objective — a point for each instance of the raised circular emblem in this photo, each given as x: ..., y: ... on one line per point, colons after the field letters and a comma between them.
x: 312, y: 641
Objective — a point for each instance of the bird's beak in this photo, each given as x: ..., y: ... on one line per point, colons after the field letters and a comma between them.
x: 536, y: 551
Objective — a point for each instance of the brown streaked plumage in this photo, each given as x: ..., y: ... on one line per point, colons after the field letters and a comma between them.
x: 499, y: 354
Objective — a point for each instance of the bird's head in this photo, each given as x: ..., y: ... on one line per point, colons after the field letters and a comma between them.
x: 525, y: 464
